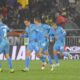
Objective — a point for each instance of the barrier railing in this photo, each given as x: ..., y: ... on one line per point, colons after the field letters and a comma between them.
x: 71, y: 40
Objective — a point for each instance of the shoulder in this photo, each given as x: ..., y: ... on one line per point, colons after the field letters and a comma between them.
x: 46, y: 26
x: 52, y: 30
x: 60, y: 28
x: 4, y: 26
x: 32, y: 25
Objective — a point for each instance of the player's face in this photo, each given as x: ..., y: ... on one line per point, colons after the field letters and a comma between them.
x: 54, y: 25
x: 1, y: 17
x: 36, y: 22
x: 27, y: 23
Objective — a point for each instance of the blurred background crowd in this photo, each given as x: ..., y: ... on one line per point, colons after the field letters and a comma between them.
x: 14, y: 12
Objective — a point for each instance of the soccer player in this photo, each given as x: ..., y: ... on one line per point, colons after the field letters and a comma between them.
x: 59, y: 35
x: 4, y: 44
x: 43, y: 40
x: 32, y: 45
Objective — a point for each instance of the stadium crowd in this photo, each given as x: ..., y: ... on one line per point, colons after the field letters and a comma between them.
x: 14, y: 14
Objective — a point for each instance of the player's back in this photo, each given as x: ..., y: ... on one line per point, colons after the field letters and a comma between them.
x: 52, y: 33
x: 60, y: 33
x: 46, y: 28
x: 3, y: 31
x: 30, y: 31
x: 40, y: 32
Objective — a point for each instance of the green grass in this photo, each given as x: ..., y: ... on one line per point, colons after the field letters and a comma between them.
x: 68, y: 70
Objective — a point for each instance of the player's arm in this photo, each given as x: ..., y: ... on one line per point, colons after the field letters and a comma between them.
x: 63, y: 33
x: 24, y: 35
x: 48, y: 31
x: 51, y: 35
x: 11, y: 32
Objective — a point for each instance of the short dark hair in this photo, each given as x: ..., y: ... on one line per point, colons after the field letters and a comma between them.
x: 38, y: 18
x: 27, y: 19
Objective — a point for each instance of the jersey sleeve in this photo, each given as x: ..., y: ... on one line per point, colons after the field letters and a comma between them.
x: 7, y: 28
x: 51, y: 33
x: 62, y: 33
x: 26, y: 33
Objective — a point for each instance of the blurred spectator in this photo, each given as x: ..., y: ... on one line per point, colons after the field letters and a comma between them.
x: 5, y: 11
x: 48, y: 9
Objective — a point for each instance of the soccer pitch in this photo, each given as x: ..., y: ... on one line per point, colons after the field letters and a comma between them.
x: 68, y: 70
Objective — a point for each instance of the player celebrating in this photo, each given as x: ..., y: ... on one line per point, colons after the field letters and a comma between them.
x: 32, y: 45
x: 43, y: 40
x: 59, y: 35
x: 4, y: 44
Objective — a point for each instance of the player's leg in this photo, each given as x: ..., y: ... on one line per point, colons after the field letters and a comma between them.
x: 66, y: 53
x: 48, y: 59
x: 1, y: 51
x: 38, y: 49
x: 28, y: 55
x: 39, y: 54
x: 9, y: 62
x: 1, y: 67
x: 55, y: 52
x: 56, y: 56
x: 58, y: 47
x: 0, y: 61
x: 46, y: 52
x: 43, y: 59
x: 27, y: 60
x: 43, y: 47
x: 6, y: 54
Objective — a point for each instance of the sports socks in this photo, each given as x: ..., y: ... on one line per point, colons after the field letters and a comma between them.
x: 10, y: 63
x: 27, y: 62
x: 56, y: 58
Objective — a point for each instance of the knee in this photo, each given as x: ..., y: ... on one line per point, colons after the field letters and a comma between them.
x: 39, y: 55
x: 28, y: 53
x: 55, y: 52
x: 7, y: 55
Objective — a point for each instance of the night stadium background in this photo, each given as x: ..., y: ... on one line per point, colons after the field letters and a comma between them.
x: 14, y: 12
